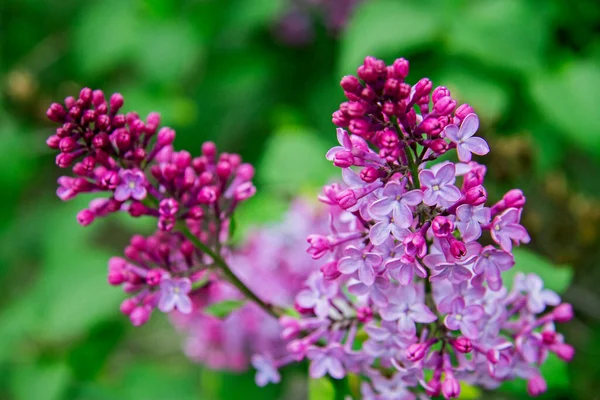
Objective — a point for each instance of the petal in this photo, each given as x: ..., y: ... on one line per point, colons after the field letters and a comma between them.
x: 166, y: 303
x: 463, y: 153
x: 306, y: 299
x: 380, y: 232
x: 358, y: 289
x: 451, y: 322
x: 366, y: 274
x: 348, y: 265
x: 412, y: 198
x: 421, y: 313
x: 469, y: 126
x: 473, y: 313
x: 550, y: 298
x: 382, y: 207
x: 184, y: 304
x: 469, y: 329
x: 477, y: 145
x: 318, y: 368
x: 335, y: 367
x: 122, y: 192
x: 459, y: 274
x: 403, y: 216
x: 470, y: 231
x: 450, y: 193
x: 446, y: 174
x: 391, y: 313
x: 452, y: 132
x: 332, y: 152
x: 425, y: 177
x: 184, y: 284
x: 405, y: 274
x: 430, y: 197
x: 406, y: 325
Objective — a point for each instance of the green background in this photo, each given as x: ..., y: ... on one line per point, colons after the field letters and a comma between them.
x: 216, y: 70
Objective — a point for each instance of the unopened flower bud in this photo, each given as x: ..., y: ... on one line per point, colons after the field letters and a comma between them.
x: 563, y: 313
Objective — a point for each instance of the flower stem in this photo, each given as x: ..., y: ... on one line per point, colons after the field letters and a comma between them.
x: 414, y: 168
x: 231, y: 277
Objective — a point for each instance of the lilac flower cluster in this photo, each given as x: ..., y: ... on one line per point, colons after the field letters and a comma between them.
x: 410, y: 295
x: 132, y: 164
x: 272, y: 263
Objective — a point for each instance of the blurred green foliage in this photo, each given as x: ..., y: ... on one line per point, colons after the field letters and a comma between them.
x: 216, y: 69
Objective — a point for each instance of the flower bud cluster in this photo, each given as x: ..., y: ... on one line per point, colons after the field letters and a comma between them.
x: 131, y: 163
x: 410, y: 294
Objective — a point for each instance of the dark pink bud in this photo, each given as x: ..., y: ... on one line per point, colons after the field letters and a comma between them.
x: 389, y: 108
x: 154, y: 276
x: 330, y: 270
x: 101, y: 141
x: 457, y: 248
x: 127, y: 306
x: 115, y: 277
x: 364, y: 314
x: 196, y: 213
x: 415, y: 245
x: 351, y: 84
x: 224, y: 169
x: 514, y: 198
x: 346, y: 199
x: 422, y: 88
x: 463, y: 344
x: 563, y: 313
x: 64, y: 160
x: 56, y: 112
x: 439, y: 92
x: 401, y: 68
x: 70, y: 101
x: 476, y: 196
x: 67, y: 144
x: 564, y: 351
x: 140, y: 315
x: 187, y: 248
x: 356, y: 109
x: 369, y: 174
x: 89, y: 116
x: 153, y: 122
x: 118, y: 121
x: 368, y: 94
x: 165, y: 137
x: 209, y: 149
x: 102, y: 122
x: 416, y: 351
x: 291, y: 327
x: 53, y: 141
x: 359, y: 126
x: 463, y: 110
x: 123, y: 139
x: 343, y: 159
x: 439, y: 146
x: 137, y: 209
x: 319, y: 245
x: 85, y: 217
x: 75, y: 112
x: 85, y: 95
x: 391, y: 87
x: 388, y: 139
x: 116, y: 102
x: 434, y: 387
x: 139, y: 242
x: 367, y: 73
x: 536, y: 386
x: 208, y: 195
x: 451, y: 388
x: 431, y: 126
x: 339, y: 119
x: 206, y: 178
x: 442, y: 226
x: 444, y: 106
x: 548, y: 337
x: 168, y: 207
x: 98, y: 97
x: 245, y: 172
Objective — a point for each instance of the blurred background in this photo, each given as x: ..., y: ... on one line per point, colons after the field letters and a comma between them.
x: 261, y: 77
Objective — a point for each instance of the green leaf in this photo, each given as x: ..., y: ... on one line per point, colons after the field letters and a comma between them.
x: 557, y: 278
x: 510, y: 34
x: 294, y: 159
x: 382, y: 28
x: 569, y: 100
x: 40, y: 381
x: 224, y: 308
x: 319, y: 389
x: 487, y: 97
x: 106, y: 35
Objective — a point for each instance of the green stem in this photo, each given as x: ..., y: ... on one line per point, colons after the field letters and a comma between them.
x: 414, y: 168
x: 341, y: 388
x: 230, y: 276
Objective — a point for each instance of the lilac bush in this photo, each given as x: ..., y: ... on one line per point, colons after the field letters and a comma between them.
x: 402, y: 285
